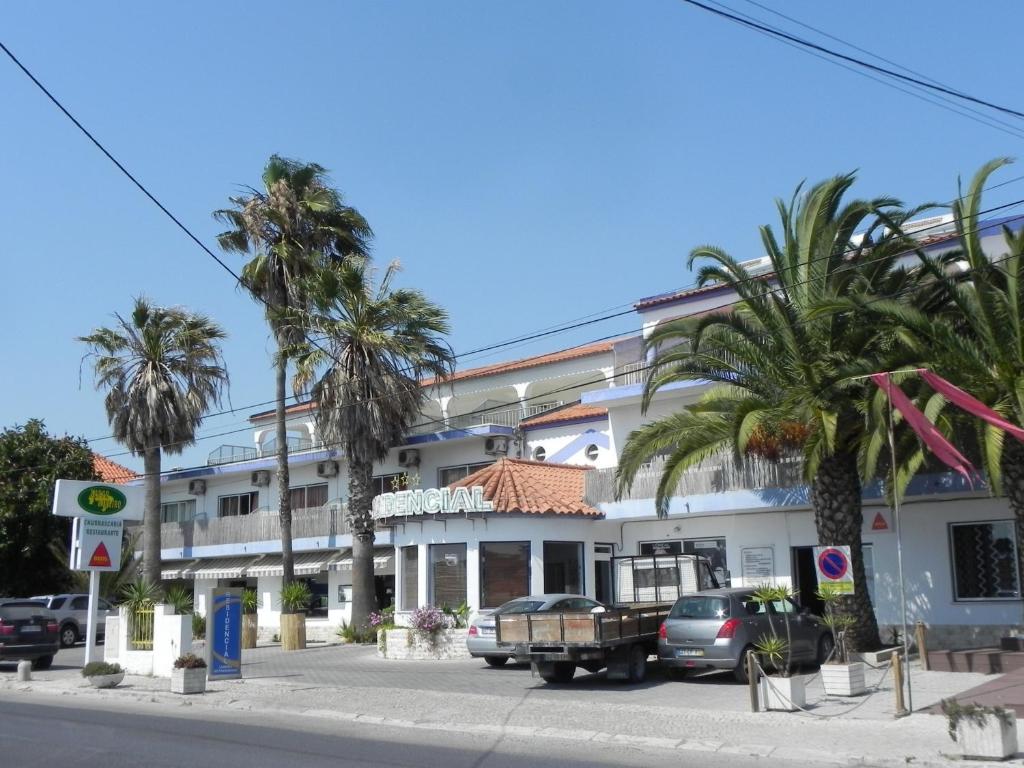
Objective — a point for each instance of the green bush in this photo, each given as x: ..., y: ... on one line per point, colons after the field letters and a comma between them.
x: 353, y: 634
x: 96, y: 668
x: 250, y: 601
x: 295, y: 597
x: 180, y: 599
x: 198, y: 627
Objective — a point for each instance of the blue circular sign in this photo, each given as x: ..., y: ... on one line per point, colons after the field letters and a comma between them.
x: 833, y: 563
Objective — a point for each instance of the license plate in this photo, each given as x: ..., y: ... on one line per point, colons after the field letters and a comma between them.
x: 30, y: 628
x: 486, y: 630
x: 689, y: 651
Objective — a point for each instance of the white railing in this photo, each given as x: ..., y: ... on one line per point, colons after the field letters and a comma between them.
x: 713, y: 476
x: 502, y: 417
x: 631, y: 373
x: 262, y: 525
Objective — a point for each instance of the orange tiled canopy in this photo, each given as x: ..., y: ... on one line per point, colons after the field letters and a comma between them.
x: 532, y: 487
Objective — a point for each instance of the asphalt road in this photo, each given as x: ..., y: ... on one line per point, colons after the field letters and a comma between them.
x: 36, y: 733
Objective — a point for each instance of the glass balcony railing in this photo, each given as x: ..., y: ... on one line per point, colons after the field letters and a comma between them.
x: 509, y: 416
x: 262, y: 525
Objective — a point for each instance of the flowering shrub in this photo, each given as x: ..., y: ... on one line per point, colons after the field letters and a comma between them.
x: 383, y: 619
x: 428, y: 619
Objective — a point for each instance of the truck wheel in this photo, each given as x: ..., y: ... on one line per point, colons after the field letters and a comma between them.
x: 68, y: 636
x: 496, y: 661
x: 637, y: 664
x: 561, y: 672
x: 43, y: 662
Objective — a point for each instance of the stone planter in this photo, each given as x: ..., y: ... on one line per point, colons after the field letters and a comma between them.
x: 409, y: 644
x: 188, y: 680
x: 843, y: 679
x: 783, y: 694
x: 105, y: 681
x: 293, y: 631
x: 249, y: 630
x: 991, y: 737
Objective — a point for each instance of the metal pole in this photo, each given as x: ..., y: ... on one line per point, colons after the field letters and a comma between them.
x: 899, y: 552
x: 94, y: 599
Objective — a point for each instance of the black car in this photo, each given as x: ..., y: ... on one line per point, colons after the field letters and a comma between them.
x: 28, y: 630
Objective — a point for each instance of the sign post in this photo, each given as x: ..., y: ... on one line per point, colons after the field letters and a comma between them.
x: 99, y: 511
x: 224, y: 634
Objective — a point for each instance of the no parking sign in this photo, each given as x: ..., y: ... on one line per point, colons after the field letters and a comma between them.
x: 833, y: 564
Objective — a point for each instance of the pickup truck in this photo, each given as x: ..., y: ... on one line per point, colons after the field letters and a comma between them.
x: 620, y: 637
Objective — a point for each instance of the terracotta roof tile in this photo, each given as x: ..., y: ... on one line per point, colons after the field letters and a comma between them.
x: 532, y: 487
x: 110, y: 471
x: 572, y: 412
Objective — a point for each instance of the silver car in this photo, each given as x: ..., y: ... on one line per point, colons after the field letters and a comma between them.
x: 72, y: 613
x: 714, y: 629
x: 481, y: 641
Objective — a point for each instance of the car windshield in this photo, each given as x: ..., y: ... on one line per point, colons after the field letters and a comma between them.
x: 700, y: 607
x: 519, y: 606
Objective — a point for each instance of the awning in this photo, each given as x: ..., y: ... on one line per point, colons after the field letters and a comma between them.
x: 222, y: 568
x: 177, y: 569
x: 382, y: 562
x: 305, y: 563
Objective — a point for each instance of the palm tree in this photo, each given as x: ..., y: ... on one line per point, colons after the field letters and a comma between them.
x: 162, y: 369
x: 783, y: 374
x: 295, y: 223
x: 380, y: 342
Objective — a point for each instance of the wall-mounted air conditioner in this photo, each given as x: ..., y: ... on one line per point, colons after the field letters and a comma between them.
x: 496, y: 446
x: 410, y: 457
x: 196, y: 487
x: 261, y: 477
x: 327, y: 469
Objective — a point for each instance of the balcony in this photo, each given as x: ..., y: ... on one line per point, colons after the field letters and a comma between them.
x: 262, y: 525
x: 631, y: 373
x: 502, y: 417
x: 717, y: 475
x: 229, y: 454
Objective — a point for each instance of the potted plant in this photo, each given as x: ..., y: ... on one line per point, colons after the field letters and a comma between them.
x: 840, y: 676
x: 103, y: 675
x: 250, y: 604
x: 189, y: 674
x: 984, y: 733
x: 780, y: 690
x: 295, y: 597
x: 180, y: 600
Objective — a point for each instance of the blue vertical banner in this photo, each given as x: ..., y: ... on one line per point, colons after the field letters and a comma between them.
x: 224, y: 634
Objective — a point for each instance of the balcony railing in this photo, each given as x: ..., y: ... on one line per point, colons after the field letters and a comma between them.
x: 328, y: 520
x: 631, y: 373
x: 713, y: 476
x: 228, y: 454
x: 502, y: 417
x: 295, y: 445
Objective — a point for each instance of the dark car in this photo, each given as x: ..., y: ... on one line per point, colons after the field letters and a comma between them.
x: 28, y: 630
x: 714, y: 629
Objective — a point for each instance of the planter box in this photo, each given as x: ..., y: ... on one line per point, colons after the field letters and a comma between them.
x: 293, y: 631
x: 106, y: 681
x: 409, y: 644
x: 843, y: 679
x: 995, y: 739
x: 188, y: 680
x: 249, y: 630
x: 783, y: 694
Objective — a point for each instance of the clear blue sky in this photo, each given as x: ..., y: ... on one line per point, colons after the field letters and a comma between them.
x: 529, y: 163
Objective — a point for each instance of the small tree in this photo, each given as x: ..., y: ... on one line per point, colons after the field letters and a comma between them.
x: 776, y: 650
x: 837, y: 620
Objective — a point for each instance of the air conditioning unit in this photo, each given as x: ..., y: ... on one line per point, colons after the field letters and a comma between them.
x: 410, y: 457
x: 496, y: 446
x: 260, y: 477
x: 327, y: 469
x: 196, y: 487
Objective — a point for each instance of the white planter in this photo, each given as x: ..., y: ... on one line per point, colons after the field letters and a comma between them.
x: 188, y: 680
x: 843, y: 679
x: 106, y: 681
x: 994, y: 739
x: 784, y: 694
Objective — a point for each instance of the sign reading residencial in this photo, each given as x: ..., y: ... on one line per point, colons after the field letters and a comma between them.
x: 431, y: 501
x: 97, y: 544
x: 833, y: 564
x: 224, y: 634
x: 88, y: 499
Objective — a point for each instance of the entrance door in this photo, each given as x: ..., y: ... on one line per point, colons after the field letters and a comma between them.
x: 603, y: 573
x: 805, y: 580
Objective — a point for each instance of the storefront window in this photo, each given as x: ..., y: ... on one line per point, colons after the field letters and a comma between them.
x: 984, y: 561
x: 410, y: 578
x: 563, y: 567
x: 504, y: 572
x: 447, y: 575
x: 714, y: 551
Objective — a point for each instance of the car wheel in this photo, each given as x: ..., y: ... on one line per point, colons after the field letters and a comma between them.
x: 496, y: 661
x: 740, y: 671
x: 68, y: 636
x: 561, y: 672
x: 825, y: 647
x: 43, y: 662
x: 637, y: 664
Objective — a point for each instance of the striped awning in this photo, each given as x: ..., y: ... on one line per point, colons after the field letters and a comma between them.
x: 382, y: 562
x: 305, y: 563
x: 176, y: 569
x: 222, y: 568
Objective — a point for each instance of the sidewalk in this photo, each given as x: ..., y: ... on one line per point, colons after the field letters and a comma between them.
x: 707, y: 713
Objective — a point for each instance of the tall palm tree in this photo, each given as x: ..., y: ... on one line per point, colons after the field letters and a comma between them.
x: 380, y: 342
x: 783, y: 374
x: 291, y: 226
x: 163, y: 370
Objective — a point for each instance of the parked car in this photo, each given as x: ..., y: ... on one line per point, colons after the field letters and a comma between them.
x: 72, y: 613
x: 715, y: 628
x: 481, y: 641
x: 28, y: 630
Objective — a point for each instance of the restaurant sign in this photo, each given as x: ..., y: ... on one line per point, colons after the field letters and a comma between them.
x: 431, y: 501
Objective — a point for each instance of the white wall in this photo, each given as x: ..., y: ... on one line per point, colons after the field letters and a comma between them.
x: 557, y: 437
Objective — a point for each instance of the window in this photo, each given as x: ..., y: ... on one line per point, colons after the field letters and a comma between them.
x: 694, y: 607
x: 389, y: 483
x: 563, y: 566
x: 448, y: 475
x: 504, y: 571
x: 592, y: 452
x: 714, y: 551
x: 239, y: 504
x: 539, y: 454
x: 309, y: 497
x: 448, y: 575
x: 57, y: 602
x: 80, y: 603
x: 178, y: 511
x: 984, y: 561
x: 410, y: 578
x: 661, y: 548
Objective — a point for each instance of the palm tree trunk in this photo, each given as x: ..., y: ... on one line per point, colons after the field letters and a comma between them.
x: 1013, y: 486
x: 360, y: 500
x: 836, y: 497
x: 151, y: 516
x: 283, y: 483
